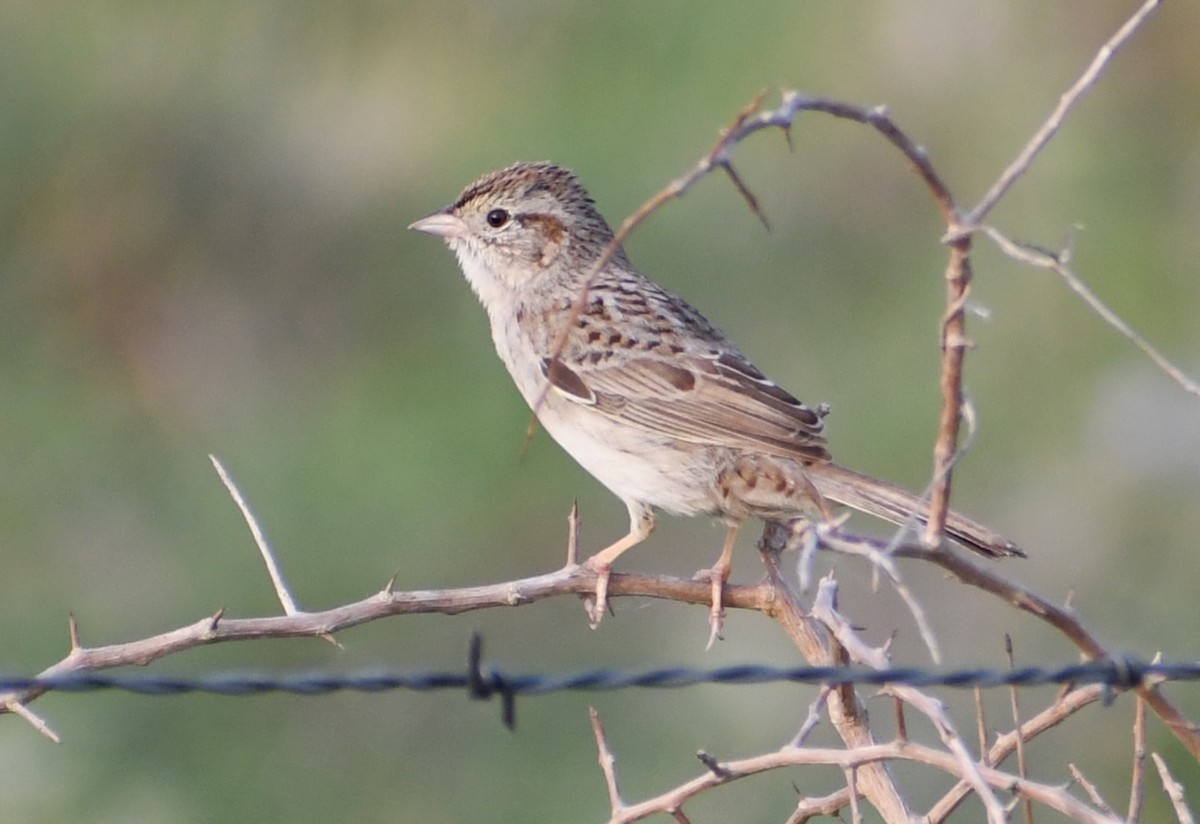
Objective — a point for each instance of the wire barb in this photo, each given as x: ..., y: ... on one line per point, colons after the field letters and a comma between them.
x: 481, y: 687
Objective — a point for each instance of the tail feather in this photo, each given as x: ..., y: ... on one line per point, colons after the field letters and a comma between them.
x: 891, y: 503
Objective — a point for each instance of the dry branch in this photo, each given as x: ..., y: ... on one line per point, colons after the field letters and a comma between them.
x: 1086, y: 81
x: 1174, y: 790
x: 1056, y: 798
x: 1064, y: 707
x: 282, y: 591
x: 1066, y: 622
x: 1137, y: 782
x: 1057, y: 262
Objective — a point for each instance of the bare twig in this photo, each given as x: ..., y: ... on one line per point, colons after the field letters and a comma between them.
x: 970, y: 770
x: 1137, y: 781
x: 1014, y: 702
x: 713, y: 764
x: 1066, y: 706
x: 808, y: 547
x: 216, y: 629
x: 813, y: 718
x: 824, y: 609
x: 1056, y: 798
x: 954, y: 346
x: 573, y: 535
x: 1068, y: 100
x: 883, y: 561
x: 73, y: 631
x: 1174, y: 791
x: 852, y: 789
x: 846, y: 712
x: 608, y: 763
x: 825, y: 806
x: 33, y: 719
x: 1057, y: 262
x: 981, y: 725
x: 1090, y: 789
x: 1065, y: 621
x: 787, y: 756
x: 260, y: 539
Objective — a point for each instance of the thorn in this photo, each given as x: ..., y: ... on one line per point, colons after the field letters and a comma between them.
x: 1068, y: 248
x: 260, y: 539
x: 753, y: 106
x: 714, y: 766
x: 746, y: 194
x: 328, y: 636
x: 508, y: 708
x: 73, y: 632
x: 34, y: 720
x: 476, y: 687
x: 744, y: 113
x: 390, y: 587
x: 573, y: 535
x: 216, y: 619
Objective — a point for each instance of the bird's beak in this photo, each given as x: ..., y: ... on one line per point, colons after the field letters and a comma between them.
x: 442, y: 224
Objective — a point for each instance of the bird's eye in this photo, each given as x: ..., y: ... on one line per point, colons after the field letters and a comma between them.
x: 497, y: 218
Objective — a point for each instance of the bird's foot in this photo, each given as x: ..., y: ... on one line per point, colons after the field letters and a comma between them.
x: 718, y: 574
x: 596, y: 605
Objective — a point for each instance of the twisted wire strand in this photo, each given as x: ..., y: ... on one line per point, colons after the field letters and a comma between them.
x: 1119, y: 673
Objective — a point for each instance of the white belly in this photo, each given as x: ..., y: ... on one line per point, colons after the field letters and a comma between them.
x: 634, y: 464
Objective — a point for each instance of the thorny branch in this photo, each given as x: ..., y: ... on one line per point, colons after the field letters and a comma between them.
x: 1084, y: 84
x: 773, y: 597
x: 1059, y: 263
x: 1173, y: 789
x: 980, y: 775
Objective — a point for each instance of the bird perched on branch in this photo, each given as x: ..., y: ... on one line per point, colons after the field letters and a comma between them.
x: 640, y: 388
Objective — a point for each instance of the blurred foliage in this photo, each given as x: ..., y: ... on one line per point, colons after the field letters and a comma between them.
x: 202, y: 212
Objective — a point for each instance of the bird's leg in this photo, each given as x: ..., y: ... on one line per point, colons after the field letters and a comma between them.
x: 718, y: 574
x: 641, y: 524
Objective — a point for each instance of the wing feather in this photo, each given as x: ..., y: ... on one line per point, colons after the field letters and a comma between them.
x: 720, y: 399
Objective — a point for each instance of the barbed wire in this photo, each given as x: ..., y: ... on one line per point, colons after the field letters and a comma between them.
x: 482, y: 683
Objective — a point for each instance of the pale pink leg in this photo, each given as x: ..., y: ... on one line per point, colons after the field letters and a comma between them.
x: 718, y: 574
x: 641, y: 524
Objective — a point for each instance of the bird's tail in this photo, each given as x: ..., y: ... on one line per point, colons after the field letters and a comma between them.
x: 891, y: 503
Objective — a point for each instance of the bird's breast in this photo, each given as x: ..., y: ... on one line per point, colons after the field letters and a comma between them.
x: 636, y: 465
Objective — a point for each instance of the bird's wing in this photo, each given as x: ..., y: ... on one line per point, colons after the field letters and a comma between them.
x: 719, y: 399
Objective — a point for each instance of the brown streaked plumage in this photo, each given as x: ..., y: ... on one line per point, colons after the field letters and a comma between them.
x: 645, y: 393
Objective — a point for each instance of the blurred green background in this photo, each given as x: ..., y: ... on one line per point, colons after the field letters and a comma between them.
x: 202, y: 210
